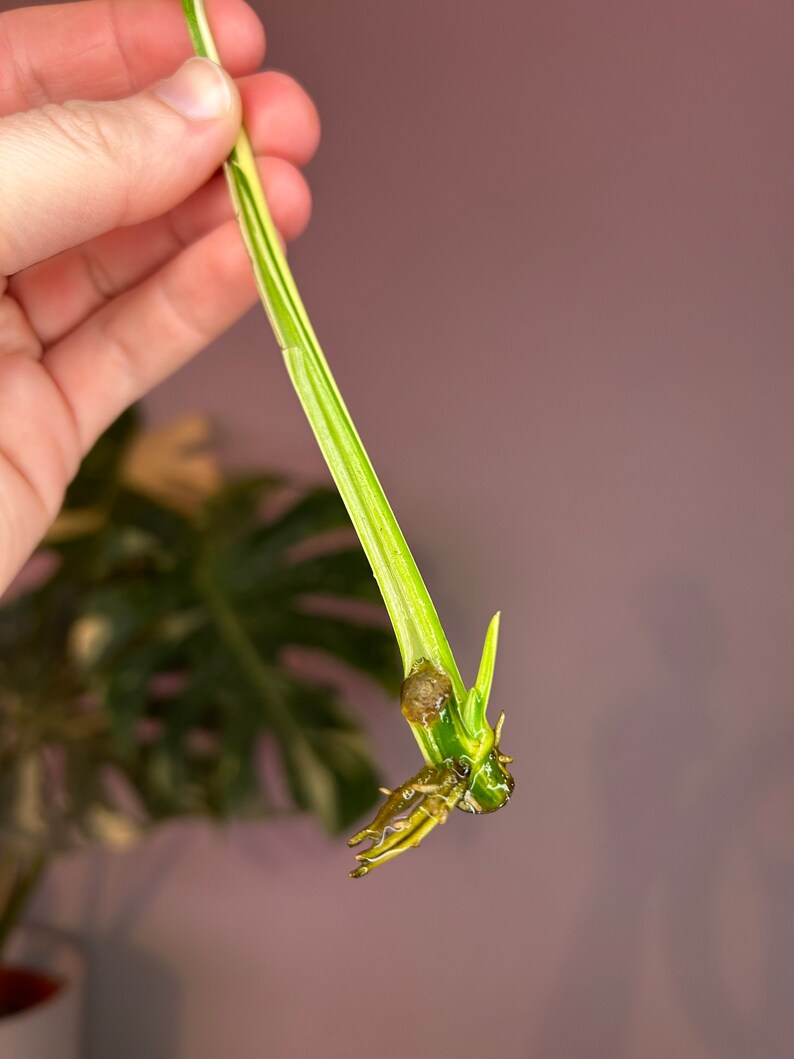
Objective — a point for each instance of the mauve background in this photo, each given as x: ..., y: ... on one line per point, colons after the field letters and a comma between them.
x: 551, y: 263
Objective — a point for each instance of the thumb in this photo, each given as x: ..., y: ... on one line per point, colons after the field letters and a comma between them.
x: 71, y: 172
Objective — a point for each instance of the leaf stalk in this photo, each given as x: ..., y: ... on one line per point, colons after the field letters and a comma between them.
x: 456, y: 741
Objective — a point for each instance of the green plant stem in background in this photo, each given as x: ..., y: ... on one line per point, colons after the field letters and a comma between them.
x: 19, y: 875
x: 464, y: 766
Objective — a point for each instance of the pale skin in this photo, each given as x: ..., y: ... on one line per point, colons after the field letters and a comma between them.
x: 119, y: 255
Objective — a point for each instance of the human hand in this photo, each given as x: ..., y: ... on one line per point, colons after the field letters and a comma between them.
x: 119, y: 254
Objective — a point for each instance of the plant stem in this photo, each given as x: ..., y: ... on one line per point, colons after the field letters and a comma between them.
x: 416, y: 623
x: 460, y: 748
x: 24, y: 880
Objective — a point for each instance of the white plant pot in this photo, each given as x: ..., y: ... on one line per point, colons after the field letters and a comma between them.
x: 53, y: 1028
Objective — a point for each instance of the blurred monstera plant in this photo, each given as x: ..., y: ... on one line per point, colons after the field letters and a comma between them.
x: 144, y: 672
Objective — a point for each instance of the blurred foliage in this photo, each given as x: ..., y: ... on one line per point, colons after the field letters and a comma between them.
x: 149, y: 672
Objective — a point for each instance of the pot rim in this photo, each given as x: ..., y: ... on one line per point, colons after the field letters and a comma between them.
x: 51, y: 951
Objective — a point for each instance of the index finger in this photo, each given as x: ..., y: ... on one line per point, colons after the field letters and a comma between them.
x: 108, y: 49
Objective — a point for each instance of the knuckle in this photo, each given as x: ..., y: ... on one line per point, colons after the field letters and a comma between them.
x: 119, y: 355
x: 30, y: 395
x: 289, y: 196
x: 83, y: 126
x: 297, y: 112
x: 92, y: 135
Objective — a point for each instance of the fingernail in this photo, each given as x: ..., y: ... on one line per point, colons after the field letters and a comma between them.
x: 198, y: 89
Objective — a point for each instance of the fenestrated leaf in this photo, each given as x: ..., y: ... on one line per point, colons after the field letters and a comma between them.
x: 125, y: 548
x: 344, y: 573
x: 368, y: 648
x: 173, y: 530
x: 318, y: 511
x: 100, y: 469
x: 124, y: 657
x: 236, y: 506
x: 329, y: 769
x: 122, y: 616
x: 125, y: 691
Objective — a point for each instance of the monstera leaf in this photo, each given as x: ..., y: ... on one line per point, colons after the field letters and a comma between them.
x: 163, y: 663
x: 187, y: 634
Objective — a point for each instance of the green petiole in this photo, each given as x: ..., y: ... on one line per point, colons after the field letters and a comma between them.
x: 464, y: 766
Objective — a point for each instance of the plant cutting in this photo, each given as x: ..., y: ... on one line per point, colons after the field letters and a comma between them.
x: 155, y: 668
x: 464, y: 764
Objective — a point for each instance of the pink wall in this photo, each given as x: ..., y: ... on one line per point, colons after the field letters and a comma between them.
x: 551, y: 264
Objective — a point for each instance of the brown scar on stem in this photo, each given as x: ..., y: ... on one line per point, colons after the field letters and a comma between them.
x: 424, y: 694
